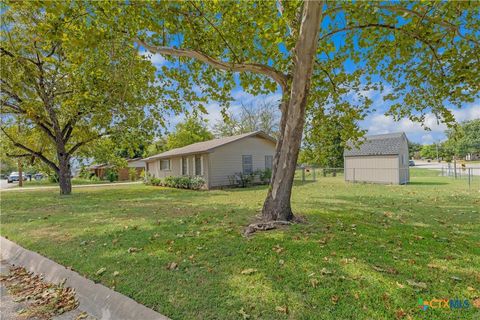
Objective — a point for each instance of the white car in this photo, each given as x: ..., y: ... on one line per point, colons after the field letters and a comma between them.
x: 15, y: 176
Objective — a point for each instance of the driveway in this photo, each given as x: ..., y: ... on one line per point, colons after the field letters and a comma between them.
x: 5, y: 185
x: 434, y: 165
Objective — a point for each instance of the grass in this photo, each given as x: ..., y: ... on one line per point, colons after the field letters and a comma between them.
x: 48, y: 183
x: 366, y: 252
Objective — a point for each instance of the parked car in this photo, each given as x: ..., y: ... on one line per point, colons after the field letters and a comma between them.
x: 411, y: 163
x: 38, y: 176
x: 14, y: 176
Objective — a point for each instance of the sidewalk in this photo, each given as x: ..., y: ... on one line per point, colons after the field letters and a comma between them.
x: 97, y: 300
x: 11, y: 309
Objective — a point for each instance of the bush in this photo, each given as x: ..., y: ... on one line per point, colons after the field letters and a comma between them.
x: 183, y: 182
x: 111, y: 175
x: 53, y: 178
x: 94, y: 178
x: 265, y: 175
x: 132, y: 174
x: 155, y: 181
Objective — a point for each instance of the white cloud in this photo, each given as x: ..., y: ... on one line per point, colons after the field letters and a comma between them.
x: 379, y: 123
x: 157, y: 59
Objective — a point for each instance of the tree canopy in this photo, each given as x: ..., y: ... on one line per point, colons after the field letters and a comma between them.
x: 65, y: 83
x: 187, y: 132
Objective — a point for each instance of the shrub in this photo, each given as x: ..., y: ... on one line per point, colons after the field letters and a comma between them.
x: 184, y: 182
x: 132, y: 174
x: 111, y: 175
x: 156, y: 181
x: 94, y: 178
x: 265, y: 175
x: 53, y: 178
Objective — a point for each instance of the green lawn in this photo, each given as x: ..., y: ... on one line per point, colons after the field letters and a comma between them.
x: 366, y: 252
x: 48, y: 183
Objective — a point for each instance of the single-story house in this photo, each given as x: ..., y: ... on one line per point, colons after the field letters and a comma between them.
x: 100, y: 170
x: 380, y: 158
x: 216, y: 160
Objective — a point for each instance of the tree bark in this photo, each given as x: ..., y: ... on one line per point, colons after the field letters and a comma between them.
x: 277, y: 204
x: 64, y: 175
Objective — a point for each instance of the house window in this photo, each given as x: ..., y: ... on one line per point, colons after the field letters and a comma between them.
x: 184, y: 166
x: 247, y: 164
x: 165, y: 164
x: 198, y: 165
x: 269, y: 162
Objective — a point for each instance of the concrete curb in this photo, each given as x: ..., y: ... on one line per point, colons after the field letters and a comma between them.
x: 96, y: 299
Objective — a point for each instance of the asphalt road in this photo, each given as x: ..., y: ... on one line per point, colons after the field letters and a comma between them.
x: 5, y: 185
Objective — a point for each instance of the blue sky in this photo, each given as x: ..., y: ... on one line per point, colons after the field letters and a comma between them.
x: 375, y: 123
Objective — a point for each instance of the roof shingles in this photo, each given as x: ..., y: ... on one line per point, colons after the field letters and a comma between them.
x: 207, y: 146
x: 382, y: 144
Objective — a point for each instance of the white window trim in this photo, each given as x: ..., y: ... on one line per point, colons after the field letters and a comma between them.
x: 201, y: 165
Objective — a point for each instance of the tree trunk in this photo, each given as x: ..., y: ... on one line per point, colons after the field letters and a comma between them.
x: 64, y: 175
x: 20, y: 173
x: 277, y: 204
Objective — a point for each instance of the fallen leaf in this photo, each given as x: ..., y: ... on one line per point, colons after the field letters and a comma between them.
x: 476, y: 303
x: 314, y: 282
x: 401, y: 286
x: 116, y: 273
x: 400, y: 314
x: 100, y: 271
x: 421, y: 285
x: 456, y: 278
x: 324, y: 271
x: 133, y: 249
x: 249, y: 271
x: 244, y: 314
x: 470, y: 289
x: 81, y: 316
x: 282, y: 309
x: 334, y: 299
x: 172, y: 266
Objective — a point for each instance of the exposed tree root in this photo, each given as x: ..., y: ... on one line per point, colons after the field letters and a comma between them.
x: 269, y: 225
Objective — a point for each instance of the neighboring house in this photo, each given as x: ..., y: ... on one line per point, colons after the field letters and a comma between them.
x: 472, y: 156
x: 379, y: 159
x: 216, y: 160
x: 123, y: 173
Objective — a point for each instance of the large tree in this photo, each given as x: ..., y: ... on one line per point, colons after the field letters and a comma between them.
x: 250, y: 117
x: 319, y: 54
x: 189, y: 131
x: 65, y: 84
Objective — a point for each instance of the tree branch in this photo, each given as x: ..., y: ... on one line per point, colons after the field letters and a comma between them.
x: 84, y: 142
x: 32, y: 152
x: 265, y: 70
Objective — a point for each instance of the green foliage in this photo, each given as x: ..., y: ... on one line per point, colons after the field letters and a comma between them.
x: 324, y: 140
x: 264, y: 175
x: 111, y: 175
x: 180, y: 182
x: 464, y: 139
x: 190, y: 131
x: 70, y: 85
x: 429, y: 151
x: 132, y: 174
x: 414, y: 149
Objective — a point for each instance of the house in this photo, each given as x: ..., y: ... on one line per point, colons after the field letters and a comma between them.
x: 100, y: 170
x: 379, y: 159
x: 216, y: 160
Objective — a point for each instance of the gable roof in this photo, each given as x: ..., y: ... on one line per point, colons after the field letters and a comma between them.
x: 208, y: 146
x: 381, y: 144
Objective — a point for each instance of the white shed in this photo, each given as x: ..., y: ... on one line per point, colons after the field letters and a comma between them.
x: 378, y: 159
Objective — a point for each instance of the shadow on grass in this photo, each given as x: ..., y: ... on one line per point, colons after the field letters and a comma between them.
x: 427, y: 183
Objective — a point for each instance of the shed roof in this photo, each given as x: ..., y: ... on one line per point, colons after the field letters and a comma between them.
x: 208, y: 146
x: 381, y: 144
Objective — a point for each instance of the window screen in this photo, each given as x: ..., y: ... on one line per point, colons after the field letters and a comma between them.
x: 165, y: 164
x: 184, y: 166
x: 198, y: 165
x: 247, y: 164
x: 268, y: 162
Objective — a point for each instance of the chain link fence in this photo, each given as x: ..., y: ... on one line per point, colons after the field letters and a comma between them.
x: 468, y: 177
